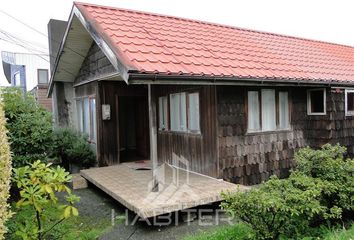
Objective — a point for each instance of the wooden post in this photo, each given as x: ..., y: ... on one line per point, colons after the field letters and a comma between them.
x: 153, y: 137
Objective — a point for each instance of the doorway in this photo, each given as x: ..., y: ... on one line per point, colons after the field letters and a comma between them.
x: 134, y: 139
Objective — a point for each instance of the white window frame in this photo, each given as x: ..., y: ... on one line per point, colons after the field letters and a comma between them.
x: 309, y: 112
x: 91, y: 124
x: 348, y: 113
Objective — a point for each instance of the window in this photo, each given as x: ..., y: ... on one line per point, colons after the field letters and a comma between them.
x: 316, y: 102
x: 178, y: 114
x: 86, y: 117
x: 163, y: 113
x: 193, y: 112
x: 93, y: 119
x: 181, y: 113
x: 17, y: 79
x: 284, y: 110
x: 79, y: 115
x: 42, y: 76
x: 268, y: 111
x: 349, y: 102
x: 253, y: 111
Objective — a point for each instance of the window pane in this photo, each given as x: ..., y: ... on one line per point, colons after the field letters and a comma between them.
x: 175, y: 111
x: 93, y: 119
x: 163, y: 112
x: 317, y: 103
x: 183, y: 112
x: 193, y: 111
x: 350, y: 101
x: 43, y: 76
x: 86, y: 116
x: 253, y: 111
x: 79, y: 116
x: 283, y: 110
x: 268, y: 110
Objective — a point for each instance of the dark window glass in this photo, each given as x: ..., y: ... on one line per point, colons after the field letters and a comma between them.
x: 317, y: 104
x: 350, y: 101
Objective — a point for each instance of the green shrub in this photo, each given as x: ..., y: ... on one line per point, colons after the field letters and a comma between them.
x: 38, y: 184
x: 29, y: 126
x: 73, y: 147
x: 337, y: 173
x: 278, y: 207
x: 320, y: 190
x: 5, y: 174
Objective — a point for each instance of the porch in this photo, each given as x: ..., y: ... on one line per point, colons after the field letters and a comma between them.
x: 131, y: 184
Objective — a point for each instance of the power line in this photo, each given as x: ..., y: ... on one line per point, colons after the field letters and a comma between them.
x: 37, y: 31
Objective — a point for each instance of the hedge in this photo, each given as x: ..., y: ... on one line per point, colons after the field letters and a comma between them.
x: 5, y: 170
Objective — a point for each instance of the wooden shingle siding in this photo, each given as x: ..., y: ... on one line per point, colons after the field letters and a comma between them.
x: 252, y: 158
x: 199, y: 149
x: 95, y: 65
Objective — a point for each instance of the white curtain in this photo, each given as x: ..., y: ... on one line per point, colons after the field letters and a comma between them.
x: 283, y: 110
x: 86, y: 116
x: 193, y: 112
x: 93, y: 119
x: 253, y: 111
x: 268, y: 110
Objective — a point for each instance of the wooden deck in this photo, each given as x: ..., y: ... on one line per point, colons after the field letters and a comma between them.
x: 178, y: 188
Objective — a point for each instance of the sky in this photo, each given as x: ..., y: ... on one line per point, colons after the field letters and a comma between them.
x: 326, y: 20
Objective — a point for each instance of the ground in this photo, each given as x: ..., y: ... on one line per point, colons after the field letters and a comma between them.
x: 95, y: 203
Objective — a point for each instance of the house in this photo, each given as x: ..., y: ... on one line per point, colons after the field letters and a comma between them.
x: 235, y: 103
x: 25, y: 70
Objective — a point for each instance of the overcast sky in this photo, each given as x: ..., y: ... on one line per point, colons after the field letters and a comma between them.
x: 327, y: 20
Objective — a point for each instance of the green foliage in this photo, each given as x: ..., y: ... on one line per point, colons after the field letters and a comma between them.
x: 231, y: 232
x: 337, y: 174
x: 73, y: 147
x: 74, y: 228
x: 278, y: 206
x: 5, y: 174
x: 320, y: 190
x: 29, y: 126
x: 38, y: 184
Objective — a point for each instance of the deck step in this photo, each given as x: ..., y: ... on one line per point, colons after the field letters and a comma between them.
x: 78, y: 182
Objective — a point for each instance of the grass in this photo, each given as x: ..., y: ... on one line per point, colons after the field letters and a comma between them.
x: 242, y: 232
x: 235, y: 232
x: 74, y: 228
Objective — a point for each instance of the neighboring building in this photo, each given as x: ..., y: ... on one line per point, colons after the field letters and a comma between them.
x: 28, y: 71
x: 235, y: 103
x: 40, y: 91
x: 23, y: 69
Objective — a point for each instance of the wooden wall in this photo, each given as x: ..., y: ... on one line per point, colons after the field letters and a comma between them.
x: 199, y: 149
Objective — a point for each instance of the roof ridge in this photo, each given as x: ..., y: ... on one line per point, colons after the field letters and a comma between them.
x: 214, y: 24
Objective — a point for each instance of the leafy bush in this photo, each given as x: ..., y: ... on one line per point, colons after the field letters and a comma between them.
x: 38, y: 184
x: 278, y: 206
x: 73, y: 147
x: 319, y: 189
x: 337, y: 174
x: 29, y: 126
x: 5, y: 174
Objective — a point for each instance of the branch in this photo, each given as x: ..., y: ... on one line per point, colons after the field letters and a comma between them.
x: 55, y: 224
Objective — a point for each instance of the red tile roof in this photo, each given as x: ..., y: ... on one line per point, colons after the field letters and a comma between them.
x: 152, y: 43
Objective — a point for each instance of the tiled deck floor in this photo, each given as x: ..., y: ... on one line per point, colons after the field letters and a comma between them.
x: 178, y: 189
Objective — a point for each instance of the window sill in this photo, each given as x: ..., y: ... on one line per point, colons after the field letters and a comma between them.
x: 316, y: 114
x: 180, y: 132
x: 268, y: 132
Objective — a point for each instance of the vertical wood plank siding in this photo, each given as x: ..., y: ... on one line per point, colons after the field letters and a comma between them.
x: 199, y: 149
